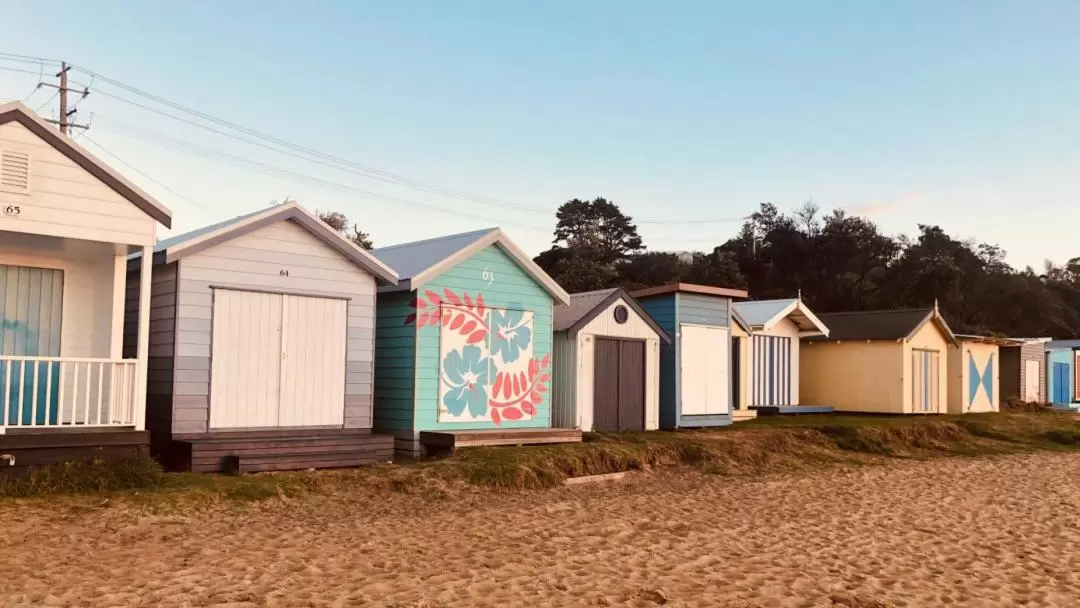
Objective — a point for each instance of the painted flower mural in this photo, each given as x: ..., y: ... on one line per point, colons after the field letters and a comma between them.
x: 465, y: 372
x: 512, y: 333
x: 487, y: 369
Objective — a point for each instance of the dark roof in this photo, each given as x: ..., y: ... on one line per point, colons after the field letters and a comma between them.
x: 585, y: 306
x: 877, y: 324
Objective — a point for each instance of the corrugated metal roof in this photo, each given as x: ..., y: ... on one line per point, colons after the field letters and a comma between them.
x: 410, y: 259
x: 1062, y: 344
x: 580, y: 305
x: 180, y: 239
x: 872, y: 324
x: 760, y: 312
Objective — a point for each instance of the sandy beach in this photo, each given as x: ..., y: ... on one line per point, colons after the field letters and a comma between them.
x: 949, y: 532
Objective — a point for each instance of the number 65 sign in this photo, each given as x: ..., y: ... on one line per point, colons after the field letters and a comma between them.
x: 12, y: 210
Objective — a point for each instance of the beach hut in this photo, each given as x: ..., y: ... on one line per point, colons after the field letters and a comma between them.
x: 974, y: 367
x: 882, y: 361
x: 67, y: 224
x: 776, y: 327
x: 699, y: 378
x: 463, y: 345
x: 606, y: 364
x: 1023, y: 365
x: 740, y: 357
x: 1060, y: 372
x: 261, y: 346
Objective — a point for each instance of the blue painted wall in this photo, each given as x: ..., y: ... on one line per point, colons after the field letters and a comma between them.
x: 511, y: 288
x: 395, y: 362
x: 1059, y: 376
x: 664, y: 310
x: 670, y: 311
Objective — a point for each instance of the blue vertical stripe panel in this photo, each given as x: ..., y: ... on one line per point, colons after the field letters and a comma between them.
x: 31, y: 301
x: 771, y: 370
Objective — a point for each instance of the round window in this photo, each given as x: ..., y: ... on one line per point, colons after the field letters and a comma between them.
x: 621, y: 314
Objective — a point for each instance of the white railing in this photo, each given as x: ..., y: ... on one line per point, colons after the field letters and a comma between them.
x: 52, y: 392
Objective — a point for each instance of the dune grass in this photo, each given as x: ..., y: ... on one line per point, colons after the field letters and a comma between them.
x: 774, y: 443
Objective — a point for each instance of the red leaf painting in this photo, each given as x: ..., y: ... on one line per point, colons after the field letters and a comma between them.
x: 480, y: 304
x: 446, y: 318
x: 498, y: 385
x: 433, y: 297
x: 495, y: 416
x: 524, y: 381
x: 476, y: 336
x: 451, y: 297
x: 517, y: 387
x: 409, y: 320
x: 418, y: 303
x: 468, y: 300
x: 468, y: 327
x: 528, y: 408
x: 535, y: 397
x: 458, y: 321
x: 421, y: 319
x: 546, y: 361
x: 510, y: 413
x: 541, y: 388
x: 545, y: 378
x: 532, y: 367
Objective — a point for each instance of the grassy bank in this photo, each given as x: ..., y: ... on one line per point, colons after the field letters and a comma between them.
x: 763, y: 445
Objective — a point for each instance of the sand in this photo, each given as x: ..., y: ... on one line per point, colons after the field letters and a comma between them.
x: 950, y: 532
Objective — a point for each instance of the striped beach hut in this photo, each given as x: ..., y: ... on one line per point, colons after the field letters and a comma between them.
x: 776, y: 328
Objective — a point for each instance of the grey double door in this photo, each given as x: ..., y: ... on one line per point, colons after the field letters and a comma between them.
x: 619, y: 385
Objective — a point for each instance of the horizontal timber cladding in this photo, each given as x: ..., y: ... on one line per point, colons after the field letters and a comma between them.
x: 395, y: 363
x: 664, y: 310
x: 1033, y: 351
x: 280, y: 258
x: 704, y: 310
x: 39, y: 449
x: 509, y: 336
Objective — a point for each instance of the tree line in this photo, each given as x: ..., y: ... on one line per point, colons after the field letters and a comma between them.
x: 839, y: 262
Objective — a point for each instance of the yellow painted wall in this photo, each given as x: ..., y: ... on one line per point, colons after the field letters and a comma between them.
x: 744, y: 366
x: 959, y: 378
x: 928, y: 338
x: 854, y: 376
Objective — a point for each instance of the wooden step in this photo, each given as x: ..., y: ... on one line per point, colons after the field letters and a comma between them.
x: 272, y: 434
x: 211, y: 447
x: 294, y: 462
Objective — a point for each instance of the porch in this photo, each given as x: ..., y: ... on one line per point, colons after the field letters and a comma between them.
x: 62, y: 369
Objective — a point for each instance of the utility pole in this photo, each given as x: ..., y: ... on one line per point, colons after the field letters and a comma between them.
x: 65, y: 114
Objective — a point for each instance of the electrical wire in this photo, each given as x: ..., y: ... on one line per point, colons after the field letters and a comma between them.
x: 140, y: 172
x: 47, y: 101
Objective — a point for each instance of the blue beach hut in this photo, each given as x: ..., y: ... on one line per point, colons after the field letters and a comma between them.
x: 463, y: 345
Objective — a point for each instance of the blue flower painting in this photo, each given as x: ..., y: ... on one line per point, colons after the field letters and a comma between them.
x: 510, y: 334
x: 466, y: 373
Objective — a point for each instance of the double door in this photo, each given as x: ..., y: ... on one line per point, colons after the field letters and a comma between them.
x: 277, y: 360
x: 619, y: 385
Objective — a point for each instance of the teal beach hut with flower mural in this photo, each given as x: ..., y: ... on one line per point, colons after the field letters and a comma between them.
x: 463, y: 342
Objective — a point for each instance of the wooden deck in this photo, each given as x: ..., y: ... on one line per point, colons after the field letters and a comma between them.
x: 451, y: 440
x: 773, y: 410
x: 29, y: 448
x: 279, y: 450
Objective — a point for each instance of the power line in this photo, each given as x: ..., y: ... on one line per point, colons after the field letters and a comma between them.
x: 140, y: 172
x: 173, y: 145
x: 47, y: 101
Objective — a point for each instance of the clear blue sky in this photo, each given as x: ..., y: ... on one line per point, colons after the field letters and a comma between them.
x: 961, y: 113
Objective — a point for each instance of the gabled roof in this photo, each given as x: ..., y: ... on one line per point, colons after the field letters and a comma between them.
x: 705, y: 290
x: 183, y: 245
x: 996, y: 340
x: 763, y: 315
x: 900, y: 324
x: 585, y: 306
x: 420, y: 261
x: 16, y: 112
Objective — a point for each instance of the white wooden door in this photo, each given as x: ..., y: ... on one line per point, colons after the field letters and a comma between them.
x: 245, y: 372
x: 1032, y: 375
x: 704, y: 361
x: 312, y: 362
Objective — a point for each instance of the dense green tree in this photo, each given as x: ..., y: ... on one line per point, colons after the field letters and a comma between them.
x: 592, y: 240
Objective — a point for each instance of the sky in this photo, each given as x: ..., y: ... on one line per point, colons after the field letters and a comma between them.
x: 964, y: 114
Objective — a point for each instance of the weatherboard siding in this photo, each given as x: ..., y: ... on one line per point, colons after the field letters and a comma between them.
x: 66, y: 200
x: 510, y: 287
x: 395, y: 363
x: 284, y: 258
x: 161, y: 362
x: 664, y: 310
x: 712, y: 311
x: 564, y: 413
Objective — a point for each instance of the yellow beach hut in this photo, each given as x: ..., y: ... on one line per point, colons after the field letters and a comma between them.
x: 882, y: 361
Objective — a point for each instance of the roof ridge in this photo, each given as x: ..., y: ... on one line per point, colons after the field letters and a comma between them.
x: 437, y: 238
x: 877, y: 312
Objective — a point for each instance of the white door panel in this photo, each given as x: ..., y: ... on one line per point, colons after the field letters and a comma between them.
x: 246, y: 351
x: 313, y: 362
x: 704, y: 360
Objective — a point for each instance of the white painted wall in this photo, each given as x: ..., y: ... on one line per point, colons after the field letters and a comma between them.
x: 87, y: 317
x: 67, y: 201
x: 786, y: 328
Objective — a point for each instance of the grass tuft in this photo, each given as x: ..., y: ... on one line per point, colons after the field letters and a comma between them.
x: 87, y: 476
